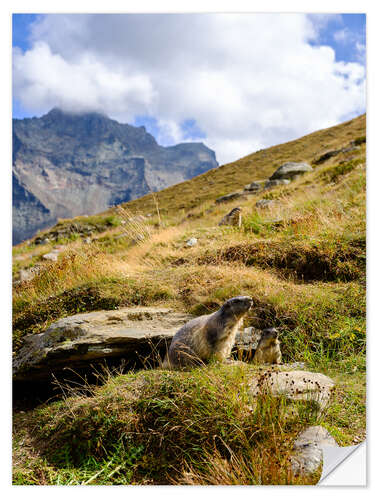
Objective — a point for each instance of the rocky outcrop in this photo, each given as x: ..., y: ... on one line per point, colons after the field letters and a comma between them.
x: 291, y: 170
x: 80, y: 339
x: 308, y: 449
x: 67, y: 164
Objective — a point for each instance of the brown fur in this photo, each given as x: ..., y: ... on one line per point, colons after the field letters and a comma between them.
x: 268, y: 348
x: 209, y: 336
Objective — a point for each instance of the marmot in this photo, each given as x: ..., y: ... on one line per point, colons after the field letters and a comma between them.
x: 268, y: 348
x: 208, y: 337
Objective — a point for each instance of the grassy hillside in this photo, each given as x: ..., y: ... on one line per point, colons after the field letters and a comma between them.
x: 303, y: 262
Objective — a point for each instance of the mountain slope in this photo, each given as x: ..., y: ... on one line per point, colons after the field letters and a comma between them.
x: 73, y: 164
x: 259, y: 165
x: 302, y: 259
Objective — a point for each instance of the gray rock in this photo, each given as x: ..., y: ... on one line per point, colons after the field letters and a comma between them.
x: 295, y: 385
x: 255, y: 186
x: 29, y: 274
x: 230, y: 196
x: 275, y: 183
x: 78, y: 340
x: 191, y: 242
x: 326, y: 156
x: 51, y: 256
x: 291, y: 169
x: 308, y: 453
x: 248, y: 338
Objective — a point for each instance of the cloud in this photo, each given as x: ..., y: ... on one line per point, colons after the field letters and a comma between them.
x: 246, y: 81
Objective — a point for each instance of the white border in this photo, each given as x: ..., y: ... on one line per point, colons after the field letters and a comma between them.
x: 76, y: 6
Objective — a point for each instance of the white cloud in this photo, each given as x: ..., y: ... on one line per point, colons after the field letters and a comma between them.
x: 249, y: 80
x: 342, y: 36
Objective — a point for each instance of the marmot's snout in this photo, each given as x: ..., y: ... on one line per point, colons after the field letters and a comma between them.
x: 240, y: 304
x: 270, y: 333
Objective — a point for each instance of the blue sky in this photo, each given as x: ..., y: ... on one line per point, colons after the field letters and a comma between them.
x: 189, y: 78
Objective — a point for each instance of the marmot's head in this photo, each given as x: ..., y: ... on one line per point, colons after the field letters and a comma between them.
x: 237, y: 306
x: 268, y: 338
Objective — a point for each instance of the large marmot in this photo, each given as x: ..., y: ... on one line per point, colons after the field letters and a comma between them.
x: 208, y: 337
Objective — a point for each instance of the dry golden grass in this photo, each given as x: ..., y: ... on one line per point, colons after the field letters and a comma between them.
x: 260, y: 165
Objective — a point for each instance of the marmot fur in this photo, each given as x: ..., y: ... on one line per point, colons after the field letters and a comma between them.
x: 268, y: 348
x: 209, y: 336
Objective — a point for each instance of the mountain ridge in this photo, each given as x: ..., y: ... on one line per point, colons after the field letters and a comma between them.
x: 83, y: 163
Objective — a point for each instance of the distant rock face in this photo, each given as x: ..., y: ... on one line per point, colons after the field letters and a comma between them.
x: 68, y: 164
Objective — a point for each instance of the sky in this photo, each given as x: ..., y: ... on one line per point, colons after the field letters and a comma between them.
x: 237, y: 82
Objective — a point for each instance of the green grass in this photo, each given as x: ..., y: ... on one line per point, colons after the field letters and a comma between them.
x: 158, y: 427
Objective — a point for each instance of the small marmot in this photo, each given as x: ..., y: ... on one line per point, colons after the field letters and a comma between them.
x: 208, y: 337
x: 268, y: 348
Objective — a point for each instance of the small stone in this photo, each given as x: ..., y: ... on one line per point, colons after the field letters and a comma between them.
x: 29, y: 274
x: 191, y: 242
x: 50, y: 256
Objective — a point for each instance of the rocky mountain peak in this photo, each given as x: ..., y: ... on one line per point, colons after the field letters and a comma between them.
x: 71, y: 164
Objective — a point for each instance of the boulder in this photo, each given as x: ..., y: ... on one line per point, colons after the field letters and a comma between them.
x: 275, y: 183
x: 78, y: 340
x: 295, y: 385
x: 308, y: 452
x: 290, y: 170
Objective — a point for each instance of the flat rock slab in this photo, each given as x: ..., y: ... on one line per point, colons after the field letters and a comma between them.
x: 308, y: 452
x: 93, y: 336
x: 295, y: 385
